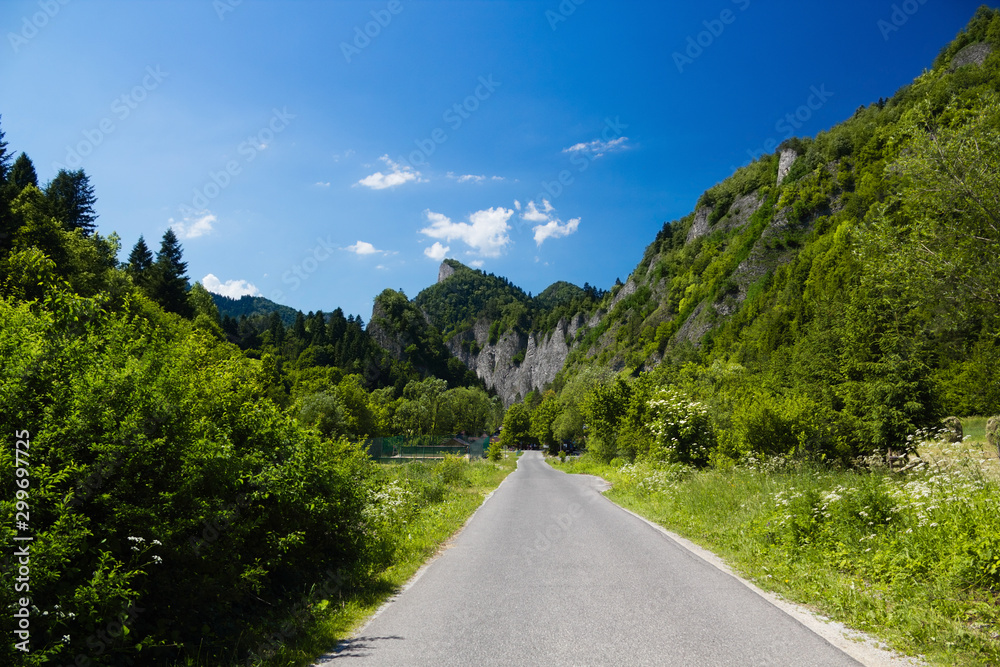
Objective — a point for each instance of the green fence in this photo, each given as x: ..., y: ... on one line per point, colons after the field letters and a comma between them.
x: 406, y: 448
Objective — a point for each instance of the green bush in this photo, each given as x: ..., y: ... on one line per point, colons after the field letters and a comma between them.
x: 681, y: 429
x: 769, y: 424
x: 162, y: 480
x: 452, y: 470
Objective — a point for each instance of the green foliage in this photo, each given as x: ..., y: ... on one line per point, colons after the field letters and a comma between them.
x: 153, y: 430
x: 543, y: 418
x: 516, y: 426
x: 603, y: 409
x: 681, y: 428
x: 495, y: 451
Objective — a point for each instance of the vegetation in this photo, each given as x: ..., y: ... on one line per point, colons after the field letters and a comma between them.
x: 184, y: 489
x: 470, y: 295
x: 855, y: 304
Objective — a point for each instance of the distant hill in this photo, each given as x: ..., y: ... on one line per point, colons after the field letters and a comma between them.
x: 253, y: 305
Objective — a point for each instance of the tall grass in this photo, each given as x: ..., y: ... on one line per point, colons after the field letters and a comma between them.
x: 913, y: 559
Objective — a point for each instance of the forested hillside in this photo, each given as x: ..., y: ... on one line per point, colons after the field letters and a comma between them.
x: 828, y: 299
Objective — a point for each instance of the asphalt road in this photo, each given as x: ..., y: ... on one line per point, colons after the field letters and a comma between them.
x: 549, y: 572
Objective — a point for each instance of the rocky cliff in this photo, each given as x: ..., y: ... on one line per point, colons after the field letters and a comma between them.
x: 516, y: 363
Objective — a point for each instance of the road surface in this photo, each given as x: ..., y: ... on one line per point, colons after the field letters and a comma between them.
x: 549, y: 572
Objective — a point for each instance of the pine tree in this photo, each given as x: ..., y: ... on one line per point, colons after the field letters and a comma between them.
x: 300, y: 326
x: 70, y: 199
x: 4, y: 159
x: 140, y: 263
x: 169, y: 281
x: 6, y: 218
x: 21, y: 175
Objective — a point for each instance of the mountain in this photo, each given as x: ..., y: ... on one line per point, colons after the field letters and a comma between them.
x: 783, y: 272
x: 252, y: 305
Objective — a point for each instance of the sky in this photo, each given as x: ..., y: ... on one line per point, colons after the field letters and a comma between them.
x: 316, y: 153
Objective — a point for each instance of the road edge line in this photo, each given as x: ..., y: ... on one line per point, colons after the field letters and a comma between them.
x: 344, y: 643
x: 864, y: 648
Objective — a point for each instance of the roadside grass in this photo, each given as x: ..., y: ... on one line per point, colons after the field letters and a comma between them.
x: 415, y: 507
x: 911, y: 559
x: 974, y: 447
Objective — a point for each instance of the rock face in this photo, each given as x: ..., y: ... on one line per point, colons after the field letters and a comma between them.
x: 544, y: 356
x: 973, y: 54
x: 785, y: 162
x: 445, y: 272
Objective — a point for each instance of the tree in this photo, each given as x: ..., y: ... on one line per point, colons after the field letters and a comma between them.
x: 516, y: 425
x: 941, y: 226
x: 140, y: 263
x: 206, y: 313
x: 21, y: 175
x: 4, y: 159
x: 169, y: 283
x: 542, y: 419
x: 70, y: 199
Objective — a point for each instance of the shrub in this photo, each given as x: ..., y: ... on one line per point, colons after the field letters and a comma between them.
x: 495, y: 451
x: 681, y: 429
x: 452, y: 470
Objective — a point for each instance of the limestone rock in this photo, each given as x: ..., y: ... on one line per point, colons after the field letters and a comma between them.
x: 785, y: 162
x: 973, y: 54
x: 993, y: 433
x: 445, y: 271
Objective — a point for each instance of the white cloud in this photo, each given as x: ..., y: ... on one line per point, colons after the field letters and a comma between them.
x: 554, y: 229
x: 476, y: 264
x: 598, y: 147
x: 473, y: 178
x: 363, y: 248
x: 234, y: 289
x: 321, y: 184
x: 485, y: 233
x: 437, y: 252
x: 532, y: 214
x: 398, y: 175
x: 194, y: 224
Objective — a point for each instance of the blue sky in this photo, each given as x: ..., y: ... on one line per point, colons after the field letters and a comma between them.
x: 319, y: 152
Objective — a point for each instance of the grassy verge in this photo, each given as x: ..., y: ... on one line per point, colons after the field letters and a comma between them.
x: 414, y: 508
x: 913, y: 560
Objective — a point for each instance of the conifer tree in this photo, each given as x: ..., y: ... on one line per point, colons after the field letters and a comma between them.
x: 169, y: 281
x: 21, y: 175
x: 4, y: 159
x: 70, y: 200
x: 140, y: 263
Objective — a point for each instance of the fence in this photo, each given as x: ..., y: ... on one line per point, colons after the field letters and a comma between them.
x: 400, y: 448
